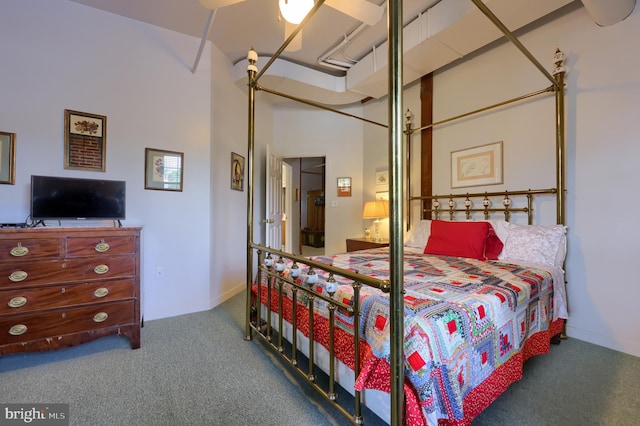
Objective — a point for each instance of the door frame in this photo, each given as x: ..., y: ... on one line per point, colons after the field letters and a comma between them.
x: 294, y: 195
x: 287, y: 178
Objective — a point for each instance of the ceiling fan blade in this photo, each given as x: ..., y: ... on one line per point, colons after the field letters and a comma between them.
x: 362, y: 10
x: 296, y: 43
x: 217, y: 4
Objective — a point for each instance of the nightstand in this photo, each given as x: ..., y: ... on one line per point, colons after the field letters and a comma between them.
x: 354, y: 244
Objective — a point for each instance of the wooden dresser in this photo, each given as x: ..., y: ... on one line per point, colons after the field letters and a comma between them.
x: 62, y: 287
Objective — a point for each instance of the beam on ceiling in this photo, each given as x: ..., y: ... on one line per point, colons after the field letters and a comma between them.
x: 203, y: 41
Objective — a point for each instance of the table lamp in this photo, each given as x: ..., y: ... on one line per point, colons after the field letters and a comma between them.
x: 377, y: 210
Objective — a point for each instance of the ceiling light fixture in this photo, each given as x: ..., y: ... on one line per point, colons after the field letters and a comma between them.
x: 294, y: 11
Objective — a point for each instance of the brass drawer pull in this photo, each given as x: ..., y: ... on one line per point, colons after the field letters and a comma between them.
x: 101, y: 292
x: 100, y: 317
x: 17, y: 302
x: 19, y: 250
x: 18, y: 276
x: 101, y: 247
x: 18, y: 329
x: 101, y: 269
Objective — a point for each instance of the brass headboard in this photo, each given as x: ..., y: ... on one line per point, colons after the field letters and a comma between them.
x: 486, y: 203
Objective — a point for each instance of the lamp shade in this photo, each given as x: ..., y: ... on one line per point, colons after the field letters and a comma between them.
x: 376, y: 209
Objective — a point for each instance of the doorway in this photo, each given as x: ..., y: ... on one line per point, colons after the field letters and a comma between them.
x: 304, y: 196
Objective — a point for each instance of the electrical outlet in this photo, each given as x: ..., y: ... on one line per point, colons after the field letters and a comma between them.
x: 160, y: 272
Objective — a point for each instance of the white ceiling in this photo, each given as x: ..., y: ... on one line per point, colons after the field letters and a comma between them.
x: 434, y: 37
x: 257, y: 24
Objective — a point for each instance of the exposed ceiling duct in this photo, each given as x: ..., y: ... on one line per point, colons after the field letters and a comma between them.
x: 609, y: 12
x: 444, y: 33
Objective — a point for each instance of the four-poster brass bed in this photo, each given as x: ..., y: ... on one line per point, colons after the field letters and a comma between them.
x: 452, y: 336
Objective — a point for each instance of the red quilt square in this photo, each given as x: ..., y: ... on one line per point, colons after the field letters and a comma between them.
x: 415, y: 361
x: 481, y: 312
x: 381, y: 320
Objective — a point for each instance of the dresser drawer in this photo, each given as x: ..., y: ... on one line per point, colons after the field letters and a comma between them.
x: 26, y: 249
x: 26, y: 274
x: 17, y: 328
x: 100, y: 245
x: 26, y: 300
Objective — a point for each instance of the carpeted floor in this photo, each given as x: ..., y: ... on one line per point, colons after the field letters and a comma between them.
x: 197, y: 369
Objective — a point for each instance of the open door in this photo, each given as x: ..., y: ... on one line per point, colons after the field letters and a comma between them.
x: 273, y: 204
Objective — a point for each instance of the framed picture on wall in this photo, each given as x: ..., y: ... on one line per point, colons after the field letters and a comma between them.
x: 163, y: 170
x: 85, y: 141
x: 7, y: 158
x: 344, y: 187
x: 481, y: 165
x: 237, y: 172
x: 382, y: 181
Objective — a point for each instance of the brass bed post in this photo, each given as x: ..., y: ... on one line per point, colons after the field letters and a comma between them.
x: 408, y: 121
x: 252, y: 57
x: 357, y: 286
x: 396, y: 168
x: 559, y: 74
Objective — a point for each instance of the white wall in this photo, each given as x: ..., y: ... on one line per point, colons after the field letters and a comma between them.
x: 602, y: 96
x: 228, y: 207
x: 60, y: 55
x: 301, y: 131
x: 376, y: 147
x: 603, y: 146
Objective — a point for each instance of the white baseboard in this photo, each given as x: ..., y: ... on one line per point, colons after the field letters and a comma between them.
x: 175, y: 310
x: 628, y: 347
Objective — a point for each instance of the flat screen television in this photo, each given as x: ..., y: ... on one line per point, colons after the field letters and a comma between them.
x: 63, y: 198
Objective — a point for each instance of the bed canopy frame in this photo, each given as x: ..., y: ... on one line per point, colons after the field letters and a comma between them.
x: 400, y: 131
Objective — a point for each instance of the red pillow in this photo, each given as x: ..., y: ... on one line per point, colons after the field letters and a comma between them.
x: 494, y: 245
x: 461, y: 239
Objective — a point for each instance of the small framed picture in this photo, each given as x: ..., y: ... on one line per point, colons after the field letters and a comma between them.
x: 7, y: 158
x: 163, y: 170
x: 344, y: 187
x: 382, y: 181
x: 237, y: 172
x: 85, y: 141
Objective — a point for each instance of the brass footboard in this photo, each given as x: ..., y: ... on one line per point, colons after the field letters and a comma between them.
x: 276, y: 275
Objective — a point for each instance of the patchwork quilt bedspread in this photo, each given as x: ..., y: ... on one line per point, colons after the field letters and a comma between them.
x: 464, y: 318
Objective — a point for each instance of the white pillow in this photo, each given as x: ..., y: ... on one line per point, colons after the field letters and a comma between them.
x: 502, y: 229
x: 562, y: 251
x: 535, y: 243
x: 418, y: 234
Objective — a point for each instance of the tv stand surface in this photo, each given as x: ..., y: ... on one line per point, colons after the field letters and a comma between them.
x: 61, y: 287
x: 13, y: 225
